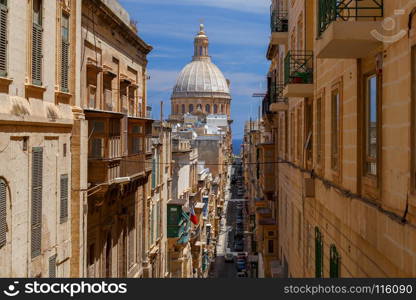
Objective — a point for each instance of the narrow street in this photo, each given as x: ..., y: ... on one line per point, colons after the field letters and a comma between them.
x: 231, y: 237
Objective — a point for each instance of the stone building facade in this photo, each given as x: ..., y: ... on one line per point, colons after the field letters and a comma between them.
x: 38, y: 91
x: 118, y: 144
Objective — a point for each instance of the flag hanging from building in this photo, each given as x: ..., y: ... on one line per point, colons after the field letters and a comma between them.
x: 194, y: 218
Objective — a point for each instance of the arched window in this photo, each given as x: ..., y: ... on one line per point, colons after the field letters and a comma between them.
x: 221, y: 108
x: 191, y: 108
x: 207, y: 108
x: 215, y: 109
x: 177, y: 109
x: 3, y: 216
x: 199, y: 107
x: 183, y: 108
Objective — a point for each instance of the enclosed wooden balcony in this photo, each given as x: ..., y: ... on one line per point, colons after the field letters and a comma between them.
x: 298, y: 74
x: 349, y: 28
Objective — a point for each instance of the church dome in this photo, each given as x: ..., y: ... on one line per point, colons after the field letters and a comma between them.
x: 201, y: 77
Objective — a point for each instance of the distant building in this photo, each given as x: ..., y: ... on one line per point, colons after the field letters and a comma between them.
x: 201, y: 88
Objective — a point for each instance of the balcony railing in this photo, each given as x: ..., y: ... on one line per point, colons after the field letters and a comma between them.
x: 132, y: 165
x: 279, y: 21
x: 347, y: 10
x: 299, y: 67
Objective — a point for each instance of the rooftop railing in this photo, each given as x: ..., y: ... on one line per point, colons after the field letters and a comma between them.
x: 346, y: 10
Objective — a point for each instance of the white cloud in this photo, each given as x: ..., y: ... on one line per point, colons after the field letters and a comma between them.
x: 252, y: 6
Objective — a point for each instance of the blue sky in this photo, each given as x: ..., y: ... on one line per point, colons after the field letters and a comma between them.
x: 238, y: 31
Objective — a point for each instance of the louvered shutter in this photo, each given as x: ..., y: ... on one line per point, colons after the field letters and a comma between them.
x: 36, y: 209
x: 3, y: 207
x: 52, y: 266
x: 65, y: 67
x: 64, y: 199
x: 3, y: 38
x: 37, y: 35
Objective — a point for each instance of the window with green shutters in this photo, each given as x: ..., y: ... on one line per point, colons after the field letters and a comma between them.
x: 64, y: 199
x: 3, y: 37
x: 37, y: 37
x: 319, y: 263
x: 334, y: 262
x: 36, y: 204
x: 65, y: 53
x: 52, y: 266
x: 3, y: 213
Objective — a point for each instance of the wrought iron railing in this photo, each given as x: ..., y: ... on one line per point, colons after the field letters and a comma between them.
x: 276, y: 95
x: 346, y: 10
x: 299, y: 67
x: 279, y: 21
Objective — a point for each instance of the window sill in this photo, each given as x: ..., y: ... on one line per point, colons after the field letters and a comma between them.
x: 5, y: 81
x: 34, y: 91
x: 62, y: 97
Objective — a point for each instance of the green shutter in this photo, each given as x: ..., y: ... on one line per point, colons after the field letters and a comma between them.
x: 3, y: 38
x: 3, y: 209
x: 318, y: 254
x: 52, y: 266
x: 64, y: 199
x: 334, y: 262
x: 36, y: 209
x: 37, y: 32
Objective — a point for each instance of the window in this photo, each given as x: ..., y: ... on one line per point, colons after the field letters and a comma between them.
x: 371, y: 125
x: 64, y: 198
x: 37, y: 37
x: 64, y: 150
x: 3, y: 213
x: 3, y: 38
x: 270, y: 246
x: 319, y: 263
x: 207, y: 108
x: 183, y: 108
x: 334, y: 262
x: 65, y: 53
x: 36, y: 204
x: 292, y: 135
x: 299, y: 135
x: 136, y: 139
x: 319, y: 131
x: 335, y: 130
x: 191, y: 108
x: 215, y: 109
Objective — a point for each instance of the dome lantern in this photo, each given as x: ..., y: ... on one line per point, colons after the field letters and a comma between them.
x: 201, y: 44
